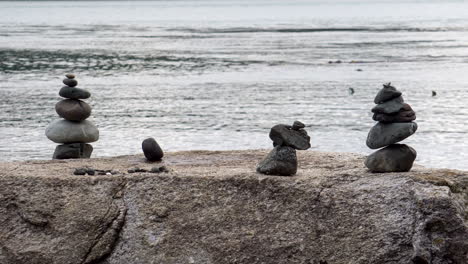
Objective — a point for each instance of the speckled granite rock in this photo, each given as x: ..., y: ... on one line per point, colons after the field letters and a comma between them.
x: 212, y: 207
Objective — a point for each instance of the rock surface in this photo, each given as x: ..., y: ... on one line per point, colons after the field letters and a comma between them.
x: 213, y: 208
x: 387, y: 93
x: 393, y: 158
x: 382, y: 135
x: 73, y: 110
x: 64, y: 131
x: 389, y: 107
x: 281, y: 161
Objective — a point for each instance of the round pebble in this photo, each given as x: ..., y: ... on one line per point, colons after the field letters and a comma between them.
x: 74, y: 93
x: 70, y: 75
x: 70, y: 82
x: 152, y: 150
x: 73, y: 109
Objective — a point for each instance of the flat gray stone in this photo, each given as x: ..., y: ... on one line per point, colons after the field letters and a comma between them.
x: 74, y: 93
x: 73, y: 151
x: 387, y: 93
x: 73, y: 109
x: 70, y: 82
x: 284, y: 135
x: 389, y: 107
x: 382, y: 134
x: 281, y: 161
x: 152, y: 150
x: 64, y: 131
x: 394, y: 158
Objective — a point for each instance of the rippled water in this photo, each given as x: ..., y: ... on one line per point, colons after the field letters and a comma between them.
x: 218, y: 74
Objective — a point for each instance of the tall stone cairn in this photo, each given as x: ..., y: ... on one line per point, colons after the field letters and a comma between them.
x: 73, y: 132
x: 395, y: 123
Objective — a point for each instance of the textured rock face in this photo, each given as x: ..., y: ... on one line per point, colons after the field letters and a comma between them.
x: 213, y: 208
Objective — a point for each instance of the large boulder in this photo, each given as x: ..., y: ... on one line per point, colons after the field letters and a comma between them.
x: 212, y: 207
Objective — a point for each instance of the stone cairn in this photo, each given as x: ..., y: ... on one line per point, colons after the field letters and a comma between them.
x: 395, y: 123
x: 74, y: 131
x: 282, y: 160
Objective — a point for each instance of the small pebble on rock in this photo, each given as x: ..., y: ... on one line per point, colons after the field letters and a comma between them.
x: 90, y: 172
x: 70, y: 75
x: 80, y: 171
x: 297, y: 125
x: 70, y: 82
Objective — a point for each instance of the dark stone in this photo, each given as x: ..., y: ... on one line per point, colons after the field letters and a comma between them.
x: 74, y: 93
x: 281, y: 161
x: 382, y: 134
x: 152, y: 150
x: 70, y: 82
x: 73, y: 151
x: 297, y: 125
x: 389, y: 107
x: 90, y: 172
x: 387, y: 93
x: 80, y: 171
x: 70, y: 75
x: 406, y: 114
x: 394, y: 158
x: 73, y: 109
x: 284, y: 135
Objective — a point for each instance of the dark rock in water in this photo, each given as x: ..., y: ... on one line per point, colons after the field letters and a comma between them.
x: 70, y: 82
x: 152, y: 150
x: 74, y: 93
x: 382, y: 134
x: 73, y: 109
x: 80, y: 171
x: 64, y: 131
x: 297, y: 125
x: 284, y: 135
x: 394, y: 158
x: 280, y: 161
x: 389, y: 107
x: 70, y: 75
x: 73, y: 151
x: 387, y: 93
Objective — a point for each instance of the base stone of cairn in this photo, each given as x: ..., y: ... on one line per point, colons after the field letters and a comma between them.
x: 394, y: 125
x: 74, y: 131
x: 282, y: 160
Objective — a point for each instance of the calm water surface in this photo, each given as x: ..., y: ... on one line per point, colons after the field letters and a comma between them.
x: 218, y: 74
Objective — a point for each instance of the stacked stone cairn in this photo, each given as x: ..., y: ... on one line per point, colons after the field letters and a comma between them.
x: 73, y: 132
x: 282, y: 160
x: 395, y: 123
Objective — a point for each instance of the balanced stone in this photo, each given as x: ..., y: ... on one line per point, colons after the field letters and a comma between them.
x: 70, y: 82
x: 73, y: 109
x: 389, y: 107
x: 282, y: 161
x: 387, y: 93
x: 152, y: 150
x: 284, y: 135
x: 73, y: 151
x: 382, y: 134
x: 74, y: 93
x: 406, y: 114
x: 64, y: 131
x: 297, y: 125
x: 394, y: 158
x: 70, y: 75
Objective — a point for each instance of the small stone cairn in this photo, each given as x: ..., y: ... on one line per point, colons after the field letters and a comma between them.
x: 395, y: 123
x: 74, y: 131
x: 282, y: 160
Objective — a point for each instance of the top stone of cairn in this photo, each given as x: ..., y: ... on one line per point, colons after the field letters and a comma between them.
x: 70, y: 80
x: 388, y: 92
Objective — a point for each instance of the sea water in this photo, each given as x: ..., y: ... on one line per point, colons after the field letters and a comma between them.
x: 217, y: 75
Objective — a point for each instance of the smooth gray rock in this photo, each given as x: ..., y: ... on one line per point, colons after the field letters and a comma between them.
x: 70, y: 82
x: 73, y: 151
x: 70, y: 75
x: 387, y: 93
x: 64, y: 131
x: 152, y: 150
x: 284, y: 135
x: 74, y: 93
x: 393, y: 158
x: 389, y: 107
x: 281, y: 161
x: 382, y: 134
x: 211, y: 209
x: 73, y: 109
